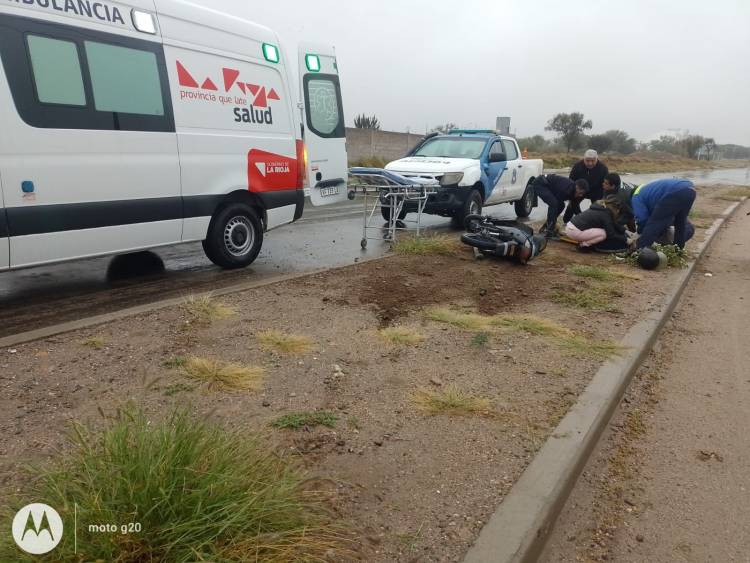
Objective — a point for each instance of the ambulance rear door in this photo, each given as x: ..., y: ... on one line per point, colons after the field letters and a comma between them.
x: 323, y: 121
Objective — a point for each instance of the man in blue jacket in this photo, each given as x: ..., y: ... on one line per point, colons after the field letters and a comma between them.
x: 555, y: 190
x: 663, y: 204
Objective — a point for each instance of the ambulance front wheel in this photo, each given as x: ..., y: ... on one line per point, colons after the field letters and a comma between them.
x: 235, y: 236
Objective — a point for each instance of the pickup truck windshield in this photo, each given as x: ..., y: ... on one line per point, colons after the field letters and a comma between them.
x: 452, y: 147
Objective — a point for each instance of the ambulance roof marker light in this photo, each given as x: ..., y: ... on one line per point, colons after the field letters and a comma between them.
x: 271, y: 53
x: 312, y: 62
x: 143, y: 21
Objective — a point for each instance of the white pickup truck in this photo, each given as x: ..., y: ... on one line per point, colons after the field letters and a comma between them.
x: 475, y: 169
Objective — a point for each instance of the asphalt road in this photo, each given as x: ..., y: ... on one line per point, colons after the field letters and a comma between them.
x: 325, y: 237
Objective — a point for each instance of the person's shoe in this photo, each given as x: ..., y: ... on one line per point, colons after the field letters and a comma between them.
x: 552, y: 235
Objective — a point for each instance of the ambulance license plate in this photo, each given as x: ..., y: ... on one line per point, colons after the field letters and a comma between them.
x: 325, y: 192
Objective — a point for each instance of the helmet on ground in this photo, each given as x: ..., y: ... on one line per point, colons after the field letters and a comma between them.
x: 663, y: 260
x: 648, y: 259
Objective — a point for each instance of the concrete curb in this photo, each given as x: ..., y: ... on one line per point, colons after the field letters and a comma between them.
x: 88, y: 322
x: 519, y: 529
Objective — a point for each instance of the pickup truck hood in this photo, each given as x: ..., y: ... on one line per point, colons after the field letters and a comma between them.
x: 431, y: 165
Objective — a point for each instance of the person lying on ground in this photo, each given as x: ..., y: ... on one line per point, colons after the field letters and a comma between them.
x: 663, y: 204
x: 593, y: 170
x: 613, y: 187
x: 555, y: 190
x: 598, y: 227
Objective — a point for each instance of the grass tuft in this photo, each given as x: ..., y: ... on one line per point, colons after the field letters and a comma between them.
x: 592, y: 272
x: 297, y: 420
x: 480, y: 340
x: 451, y: 401
x: 283, y: 343
x: 536, y: 326
x: 420, y: 246
x: 172, y: 390
x: 402, y: 336
x: 175, y: 362
x: 581, y: 346
x: 95, y: 343
x: 594, y: 298
x: 676, y: 257
x: 227, y: 376
x: 205, y: 309
x: 200, y: 493
x: 466, y: 321
x: 735, y: 194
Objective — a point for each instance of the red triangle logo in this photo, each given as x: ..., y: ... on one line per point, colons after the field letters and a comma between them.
x: 209, y: 85
x: 253, y: 89
x: 184, y: 77
x: 260, y: 99
x: 230, y: 77
x: 242, y: 87
x: 272, y: 95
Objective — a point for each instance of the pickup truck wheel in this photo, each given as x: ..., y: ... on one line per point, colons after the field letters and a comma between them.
x: 472, y: 206
x: 525, y: 205
x: 235, y: 236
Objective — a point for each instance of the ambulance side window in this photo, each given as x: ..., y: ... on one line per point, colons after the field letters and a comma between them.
x: 124, y: 80
x: 325, y: 116
x: 56, y: 67
x: 69, y: 77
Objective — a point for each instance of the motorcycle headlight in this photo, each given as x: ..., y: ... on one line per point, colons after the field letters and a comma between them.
x: 451, y: 179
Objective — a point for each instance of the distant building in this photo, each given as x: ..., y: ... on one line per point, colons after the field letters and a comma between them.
x: 503, y: 125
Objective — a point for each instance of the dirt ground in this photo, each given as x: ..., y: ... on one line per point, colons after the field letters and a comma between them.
x: 669, y: 482
x: 413, y: 487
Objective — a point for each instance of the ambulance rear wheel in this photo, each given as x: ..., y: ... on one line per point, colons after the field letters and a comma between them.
x: 235, y: 236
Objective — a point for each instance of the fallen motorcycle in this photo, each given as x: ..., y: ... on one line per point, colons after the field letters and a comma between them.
x: 504, y: 239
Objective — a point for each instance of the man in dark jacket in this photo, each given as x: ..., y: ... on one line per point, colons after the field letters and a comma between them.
x: 593, y: 171
x: 555, y: 190
x: 613, y: 187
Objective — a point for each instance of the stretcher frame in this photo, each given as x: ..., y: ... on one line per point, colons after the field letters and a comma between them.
x: 383, y: 189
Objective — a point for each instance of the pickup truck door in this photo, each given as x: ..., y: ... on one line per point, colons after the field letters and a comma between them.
x: 513, y: 181
x: 495, y: 172
x: 323, y: 122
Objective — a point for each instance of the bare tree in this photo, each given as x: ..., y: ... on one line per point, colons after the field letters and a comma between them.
x: 570, y: 127
x: 600, y: 143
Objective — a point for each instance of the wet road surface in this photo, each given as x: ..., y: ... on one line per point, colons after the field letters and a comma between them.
x: 325, y: 237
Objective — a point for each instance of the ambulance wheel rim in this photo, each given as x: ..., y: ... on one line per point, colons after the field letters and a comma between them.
x: 238, y: 236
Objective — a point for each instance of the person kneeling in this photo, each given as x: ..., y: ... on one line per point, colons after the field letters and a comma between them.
x: 598, y: 227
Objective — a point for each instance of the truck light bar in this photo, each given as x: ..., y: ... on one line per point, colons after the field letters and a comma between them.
x: 473, y: 131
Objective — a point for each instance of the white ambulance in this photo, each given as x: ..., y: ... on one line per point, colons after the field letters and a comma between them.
x: 132, y: 125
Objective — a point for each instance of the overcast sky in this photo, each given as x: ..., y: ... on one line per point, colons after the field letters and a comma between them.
x: 645, y: 66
